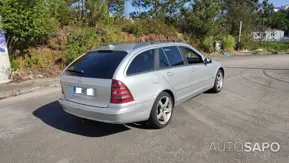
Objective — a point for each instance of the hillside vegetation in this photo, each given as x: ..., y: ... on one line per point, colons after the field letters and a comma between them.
x: 45, y: 35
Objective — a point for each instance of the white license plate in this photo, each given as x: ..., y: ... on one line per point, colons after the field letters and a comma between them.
x: 84, y: 91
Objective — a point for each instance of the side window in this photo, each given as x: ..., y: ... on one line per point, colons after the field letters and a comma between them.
x: 191, y: 56
x: 163, y: 60
x: 173, y: 55
x: 143, y: 62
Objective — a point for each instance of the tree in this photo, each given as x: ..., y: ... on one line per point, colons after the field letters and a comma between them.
x: 265, y: 14
x: 116, y: 7
x: 93, y: 11
x: 201, y: 18
x: 26, y: 23
x: 235, y: 11
x: 59, y: 10
x: 280, y: 20
x: 69, y: 2
x: 159, y: 9
x: 96, y: 11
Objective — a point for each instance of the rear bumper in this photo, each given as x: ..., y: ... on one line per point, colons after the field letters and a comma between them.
x: 116, y: 114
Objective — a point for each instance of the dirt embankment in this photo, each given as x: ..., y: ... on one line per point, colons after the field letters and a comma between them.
x: 46, y: 61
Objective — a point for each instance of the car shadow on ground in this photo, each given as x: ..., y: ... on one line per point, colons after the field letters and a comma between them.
x: 53, y: 115
x: 140, y: 125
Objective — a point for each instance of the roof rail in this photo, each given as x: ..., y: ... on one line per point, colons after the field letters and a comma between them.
x: 140, y: 44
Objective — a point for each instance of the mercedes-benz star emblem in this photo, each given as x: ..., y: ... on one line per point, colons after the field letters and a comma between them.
x: 79, y: 80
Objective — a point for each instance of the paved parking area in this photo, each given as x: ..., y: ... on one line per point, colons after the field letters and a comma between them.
x: 253, y: 107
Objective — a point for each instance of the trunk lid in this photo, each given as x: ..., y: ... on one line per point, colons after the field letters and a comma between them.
x: 101, y: 87
x: 88, y: 79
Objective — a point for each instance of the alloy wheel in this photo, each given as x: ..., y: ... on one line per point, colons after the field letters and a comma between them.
x: 164, y: 110
x: 219, y: 81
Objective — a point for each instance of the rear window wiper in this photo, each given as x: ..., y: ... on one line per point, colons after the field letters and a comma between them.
x: 76, y: 71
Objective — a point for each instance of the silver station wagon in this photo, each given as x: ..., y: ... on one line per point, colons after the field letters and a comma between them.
x: 126, y: 83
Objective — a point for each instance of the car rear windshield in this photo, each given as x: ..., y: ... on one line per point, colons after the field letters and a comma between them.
x: 98, y: 64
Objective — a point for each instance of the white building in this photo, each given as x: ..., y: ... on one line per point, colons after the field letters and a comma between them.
x: 5, y: 70
x: 276, y: 9
x: 282, y: 8
x: 269, y: 35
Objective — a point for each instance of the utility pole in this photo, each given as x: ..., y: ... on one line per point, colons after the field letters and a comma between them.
x: 240, y: 33
x: 126, y: 10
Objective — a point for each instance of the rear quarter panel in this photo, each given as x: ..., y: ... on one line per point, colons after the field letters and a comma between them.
x: 144, y: 87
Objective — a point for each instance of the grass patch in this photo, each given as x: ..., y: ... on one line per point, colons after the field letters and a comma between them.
x: 276, y: 46
x: 228, y: 43
x: 208, y: 44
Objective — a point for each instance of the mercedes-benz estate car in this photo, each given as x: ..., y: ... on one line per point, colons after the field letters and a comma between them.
x: 127, y: 83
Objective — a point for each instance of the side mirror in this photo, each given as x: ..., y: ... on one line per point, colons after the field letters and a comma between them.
x: 207, y: 60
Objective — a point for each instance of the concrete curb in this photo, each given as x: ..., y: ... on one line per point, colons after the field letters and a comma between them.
x: 21, y: 91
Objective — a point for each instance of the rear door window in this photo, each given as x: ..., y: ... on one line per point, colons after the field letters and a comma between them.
x: 163, y: 60
x: 143, y: 62
x: 100, y: 64
x: 174, y: 56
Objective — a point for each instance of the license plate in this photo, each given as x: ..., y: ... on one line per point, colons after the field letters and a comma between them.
x: 84, y: 91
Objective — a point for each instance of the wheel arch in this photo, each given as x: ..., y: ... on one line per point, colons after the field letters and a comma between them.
x: 223, y: 71
x: 171, y: 94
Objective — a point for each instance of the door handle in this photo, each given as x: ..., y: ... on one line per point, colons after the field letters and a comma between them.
x: 170, y: 73
x: 193, y: 69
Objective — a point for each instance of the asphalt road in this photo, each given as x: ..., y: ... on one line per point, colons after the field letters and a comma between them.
x: 253, y: 107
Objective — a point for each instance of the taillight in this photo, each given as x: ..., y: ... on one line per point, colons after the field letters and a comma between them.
x: 120, y: 93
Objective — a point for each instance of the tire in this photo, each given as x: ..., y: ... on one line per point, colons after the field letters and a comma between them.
x: 219, y: 82
x: 84, y: 120
x: 161, y: 112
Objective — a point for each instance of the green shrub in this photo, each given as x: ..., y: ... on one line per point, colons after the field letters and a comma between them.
x: 146, y: 27
x: 279, y: 46
x: 258, y: 51
x: 98, y: 13
x: 15, y: 64
x: 59, y: 10
x: 248, y: 43
x: 275, y: 52
x: 48, y: 58
x: 111, y: 35
x: 33, y: 62
x: 228, y: 43
x: 154, y: 26
x: 33, y: 59
x: 27, y: 62
x: 51, y: 44
x: 208, y: 44
x: 26, y: 23
x: 192, y: 40
x: 36, y: 58
x: 79, y: 41
x: 132, y: 29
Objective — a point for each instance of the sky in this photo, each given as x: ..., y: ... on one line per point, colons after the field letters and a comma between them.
x: 278, y: 3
